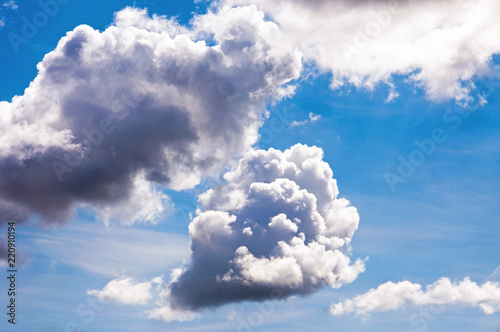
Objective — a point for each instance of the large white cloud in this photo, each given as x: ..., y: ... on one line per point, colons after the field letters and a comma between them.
x: 395, y: 296
x: 441, y: 45
x: 276, y: 227
x: 114, y: 116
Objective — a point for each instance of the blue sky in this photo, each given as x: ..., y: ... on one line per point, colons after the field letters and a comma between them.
x: 442, y: 221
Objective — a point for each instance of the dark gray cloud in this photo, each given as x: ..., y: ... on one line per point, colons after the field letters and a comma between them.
x: 276, y: 229
x: 116, y: 116
x: 3, y: 251
x: 101, y: 173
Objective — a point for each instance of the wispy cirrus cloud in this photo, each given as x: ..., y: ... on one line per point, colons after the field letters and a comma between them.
x: 111, y: 252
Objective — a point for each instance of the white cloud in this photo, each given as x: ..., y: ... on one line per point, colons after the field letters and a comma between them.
x: 276, y: 226
x: 168, y: 313
x: 312, y: 118
x: 2, y: 22
x: 441, y: 45
x: 283, y: 224
x: 126, y: 291
x: 395, y: 296
x: 146, y: 204
x: 11, y: 4
x: 165, y: 310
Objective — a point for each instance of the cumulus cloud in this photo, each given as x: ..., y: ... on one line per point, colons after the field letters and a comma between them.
x: 395, y: 296
x: 126, y: 291
x: 114, y: 117
x: 276, y: 228
x: 441, y: 45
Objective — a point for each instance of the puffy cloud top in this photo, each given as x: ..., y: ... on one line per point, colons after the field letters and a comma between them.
x: 276, y: 227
